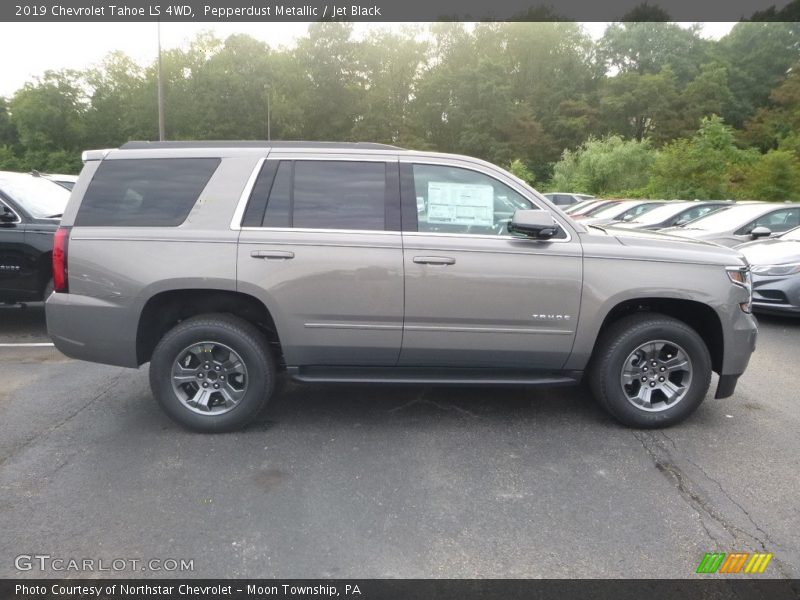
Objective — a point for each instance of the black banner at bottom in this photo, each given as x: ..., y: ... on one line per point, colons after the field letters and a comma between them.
x: 390, y: 589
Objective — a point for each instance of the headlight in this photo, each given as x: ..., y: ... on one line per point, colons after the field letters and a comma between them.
x: 741, y: 276
x: 777, y: 270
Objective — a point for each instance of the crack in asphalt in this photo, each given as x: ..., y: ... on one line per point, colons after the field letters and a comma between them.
x: 14, y: 452
x: 687, y: 488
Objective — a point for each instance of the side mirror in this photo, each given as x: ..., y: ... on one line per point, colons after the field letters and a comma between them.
x: 627, y: 218
x: 7, y: 216
x: 760, y: 231
x: 533, y: 223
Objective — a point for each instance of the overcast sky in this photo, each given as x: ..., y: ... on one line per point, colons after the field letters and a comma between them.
x: 38, y: 47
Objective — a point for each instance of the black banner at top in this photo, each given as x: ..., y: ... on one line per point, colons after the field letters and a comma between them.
x: 397, y: 10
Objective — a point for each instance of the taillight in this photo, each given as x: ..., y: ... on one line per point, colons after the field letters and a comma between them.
x: 60, y: 243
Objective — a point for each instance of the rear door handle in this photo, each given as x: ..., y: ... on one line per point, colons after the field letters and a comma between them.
x: 434, y: 260
x: 272, y: 254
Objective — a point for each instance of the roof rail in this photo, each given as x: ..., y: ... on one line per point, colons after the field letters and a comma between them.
x: 145, y: 145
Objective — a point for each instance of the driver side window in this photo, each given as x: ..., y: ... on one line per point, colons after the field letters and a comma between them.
x: 456, y: 200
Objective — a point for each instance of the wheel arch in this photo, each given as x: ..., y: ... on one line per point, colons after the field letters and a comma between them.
x: 697, y: 315
x: 166, y: 309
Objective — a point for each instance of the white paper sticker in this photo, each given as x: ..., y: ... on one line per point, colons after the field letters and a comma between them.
x: 460, y: 203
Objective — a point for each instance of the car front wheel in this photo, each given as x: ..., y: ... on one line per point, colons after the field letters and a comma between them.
x: 650, y: 370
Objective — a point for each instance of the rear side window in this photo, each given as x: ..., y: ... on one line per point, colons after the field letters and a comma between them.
x: 312, y: 194
x: 145, y: 192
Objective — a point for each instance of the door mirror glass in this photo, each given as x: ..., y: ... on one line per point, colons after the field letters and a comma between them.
x: 536, y: 224
x: 760, y: 231
x: 7, y: 216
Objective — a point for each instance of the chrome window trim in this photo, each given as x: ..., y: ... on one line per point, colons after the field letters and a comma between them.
x: 238, y: 213
x: 511, y: 183
x: 312, y: 230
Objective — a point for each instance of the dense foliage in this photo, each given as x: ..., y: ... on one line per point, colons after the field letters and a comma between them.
x: 648, y: 109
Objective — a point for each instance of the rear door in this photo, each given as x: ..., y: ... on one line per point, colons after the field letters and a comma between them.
x: 475, y: 295
x: 320, y: 244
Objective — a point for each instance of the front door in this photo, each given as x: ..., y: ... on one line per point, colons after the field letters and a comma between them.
x: 476, y: 295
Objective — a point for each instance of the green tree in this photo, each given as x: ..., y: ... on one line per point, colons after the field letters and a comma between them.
x: 708, y: 166
x: 330, y: 99
x: 609, y: 166
x: 49, y: 115
x: 390, y: 68
x: 122, y: 103
x: 757, y: 56
x: 647, y: 48
x: 775, y: 176
x: 772, y: 124
x: 521, y: 170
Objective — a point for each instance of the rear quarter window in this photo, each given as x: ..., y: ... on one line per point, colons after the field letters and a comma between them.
x: 144, y: 192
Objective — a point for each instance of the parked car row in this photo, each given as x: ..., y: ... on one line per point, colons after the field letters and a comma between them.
x: 767, y: 233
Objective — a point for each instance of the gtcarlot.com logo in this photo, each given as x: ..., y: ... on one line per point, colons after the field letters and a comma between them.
x: 735, y: 562
x: 46, y: 562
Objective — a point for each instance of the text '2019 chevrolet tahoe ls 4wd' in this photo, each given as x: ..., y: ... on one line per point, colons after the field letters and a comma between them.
x: 223, y: 263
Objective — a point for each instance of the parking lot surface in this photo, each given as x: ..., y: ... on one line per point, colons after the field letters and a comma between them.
x: 392, y: 481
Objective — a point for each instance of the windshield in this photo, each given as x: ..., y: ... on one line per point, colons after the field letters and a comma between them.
x: 39, y: 197
x: 609, y: 212
x: 660, y: 213
x: 793, y: 235
x: 729, y: 218
x: 603, y: 205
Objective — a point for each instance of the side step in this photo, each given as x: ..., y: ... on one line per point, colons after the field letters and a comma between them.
x: 432, y: 376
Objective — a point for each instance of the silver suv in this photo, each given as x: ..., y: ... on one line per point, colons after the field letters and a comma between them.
x: 223, y: 264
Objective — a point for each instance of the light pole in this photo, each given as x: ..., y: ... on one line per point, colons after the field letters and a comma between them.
x: 268, y: 89
x: 161, y: 134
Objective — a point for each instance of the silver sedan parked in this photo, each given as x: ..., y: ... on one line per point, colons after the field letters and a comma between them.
x: 775, y: 268
x: 744, y: 222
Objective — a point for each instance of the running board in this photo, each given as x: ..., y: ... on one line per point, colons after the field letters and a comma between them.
x: 432, y: 376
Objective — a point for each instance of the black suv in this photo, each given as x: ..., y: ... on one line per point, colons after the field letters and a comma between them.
x: 30, y: 210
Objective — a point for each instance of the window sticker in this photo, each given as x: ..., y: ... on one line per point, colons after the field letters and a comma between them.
x: 460, y: 203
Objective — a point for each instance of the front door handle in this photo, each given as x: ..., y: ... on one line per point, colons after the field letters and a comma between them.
x: 272, y: 254
x: 434, y: 260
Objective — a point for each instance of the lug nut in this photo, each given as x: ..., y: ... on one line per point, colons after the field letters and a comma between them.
x: 217, y: 368
x: 216, y: 386
x: 644, y: 378
x: 652, y: 384
x: 644, y: 368
x: 662, y: 369
x: 205, y: 384
x: 661, y: 379
x: 200, y: 375
x: 222, y: 377
x: 207, y: 366
x: 654, y: 363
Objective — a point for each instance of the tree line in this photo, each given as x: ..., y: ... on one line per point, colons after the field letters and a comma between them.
x: 649, y: 109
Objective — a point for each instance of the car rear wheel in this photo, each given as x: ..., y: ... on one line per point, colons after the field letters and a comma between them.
x: 650, y: 371
x: 212, y: 373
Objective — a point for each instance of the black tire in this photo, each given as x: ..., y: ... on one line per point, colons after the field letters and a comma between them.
x: 617, y: 344
x: 238, y: 335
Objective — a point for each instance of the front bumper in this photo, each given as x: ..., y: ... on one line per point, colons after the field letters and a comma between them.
x: 777, y: 295
x: 740, y: 343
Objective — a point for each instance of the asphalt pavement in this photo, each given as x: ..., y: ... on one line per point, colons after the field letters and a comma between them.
x: 391, y: 481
